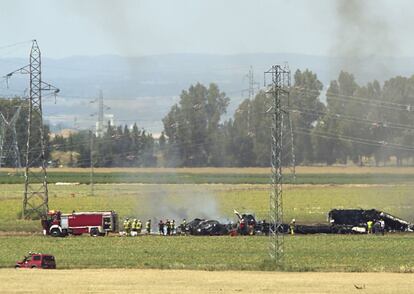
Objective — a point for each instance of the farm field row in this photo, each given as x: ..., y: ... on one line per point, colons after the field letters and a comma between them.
x: 305, y: 203
x: 348, y: 253
x: 177, y: 281
x: 222, y: 176
x: 239, y: 170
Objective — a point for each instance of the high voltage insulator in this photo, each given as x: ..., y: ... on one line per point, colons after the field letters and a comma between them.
x: 280, y: 77
x: 35, y: 197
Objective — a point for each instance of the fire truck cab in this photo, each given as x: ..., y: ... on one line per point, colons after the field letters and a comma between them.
x: 96, y: 223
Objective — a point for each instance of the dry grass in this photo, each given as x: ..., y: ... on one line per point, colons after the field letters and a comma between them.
x: 247, y: 170
x: 176, y: 281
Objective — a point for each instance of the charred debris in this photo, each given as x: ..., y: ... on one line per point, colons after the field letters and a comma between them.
x: 340, y: 221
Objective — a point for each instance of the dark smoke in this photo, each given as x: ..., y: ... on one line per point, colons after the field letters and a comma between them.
x: 363, y: 38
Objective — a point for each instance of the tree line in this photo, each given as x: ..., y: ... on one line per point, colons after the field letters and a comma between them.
x: 369, y: 123
x: 363, y: 124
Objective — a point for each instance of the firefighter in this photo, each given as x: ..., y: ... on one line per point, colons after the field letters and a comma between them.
x: 382, y: 226
x: 242, y: 227
x: 183, y: 225
x: 134, y: 225
x: 161, y: 227
x: 377, y: 227
x: 148, y: 226
x: 139, y: 226
x: 168, y: 225
x: 127, y: 226
x: 292, y: 226
x: 370, y: 223
x: 172, y: 230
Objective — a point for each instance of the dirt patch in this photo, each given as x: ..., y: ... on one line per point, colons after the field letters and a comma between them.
x: 176, y: 281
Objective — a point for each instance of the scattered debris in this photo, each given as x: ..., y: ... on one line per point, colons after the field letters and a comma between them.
x: 360, y: 218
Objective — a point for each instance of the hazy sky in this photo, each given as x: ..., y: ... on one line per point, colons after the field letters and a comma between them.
x: 132, y: 27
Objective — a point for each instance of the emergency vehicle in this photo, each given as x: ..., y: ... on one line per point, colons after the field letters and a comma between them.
x: 37, y: 260
x: 95, y: 223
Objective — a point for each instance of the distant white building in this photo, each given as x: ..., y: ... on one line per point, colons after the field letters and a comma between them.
x: 101, y: 130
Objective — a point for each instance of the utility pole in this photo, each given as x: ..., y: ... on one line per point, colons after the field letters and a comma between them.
x: 251, y: 92
x: 280, y: 76
x: 35, y: 197
x: 92, y: 163
x: 9, y: 148
x: 100, y: 127
x: 252, y: 83
x: 101, y: 107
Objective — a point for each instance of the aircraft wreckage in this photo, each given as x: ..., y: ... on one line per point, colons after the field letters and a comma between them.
x: 341, y: 221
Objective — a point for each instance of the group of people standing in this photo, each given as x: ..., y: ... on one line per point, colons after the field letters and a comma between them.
x: 168, y: 227
x: 133, y: 227
x: 377, y: 227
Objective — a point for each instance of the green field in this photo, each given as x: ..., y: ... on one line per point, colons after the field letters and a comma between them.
x: 306, y: 203
x: 160, y: 177
x: 303, y: 253
x: 195, y: 194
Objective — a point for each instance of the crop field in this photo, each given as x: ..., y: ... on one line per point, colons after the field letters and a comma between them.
x: 303, y: 253
x: 306, y: 202
x: 305, y: 175
x: 173, y: 281
x: 237, y: 170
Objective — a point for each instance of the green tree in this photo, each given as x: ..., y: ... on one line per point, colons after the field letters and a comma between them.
x: 305, y: 109
x: 192, y: 126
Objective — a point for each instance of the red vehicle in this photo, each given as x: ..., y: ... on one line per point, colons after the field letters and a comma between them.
x: 96, y: 223
x: 37, y: 260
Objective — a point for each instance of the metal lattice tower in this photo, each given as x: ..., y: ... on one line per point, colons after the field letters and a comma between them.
x: 251, y: 92
x: 9, y: 149
x: 252, y: 83
x: 280, y: 76
x: 35, y: 197
x: 100, y: 126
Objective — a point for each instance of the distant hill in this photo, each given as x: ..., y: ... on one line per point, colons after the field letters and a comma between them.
x: 142, y: 89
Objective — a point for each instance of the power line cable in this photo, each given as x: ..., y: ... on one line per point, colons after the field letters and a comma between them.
x: 355, y: 139
x: 341, y: 116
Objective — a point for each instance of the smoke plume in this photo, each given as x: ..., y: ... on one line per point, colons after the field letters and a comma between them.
x: 363, y: 38
x: 178, y: 202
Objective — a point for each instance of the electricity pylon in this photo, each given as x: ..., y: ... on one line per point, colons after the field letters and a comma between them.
x: 280, y: 76
x: 35, y: 197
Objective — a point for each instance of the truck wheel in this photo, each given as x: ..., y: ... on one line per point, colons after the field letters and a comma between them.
x: 55, y: 233
x: 17, y: 266
x: 94, y: 232
x: 33, y: 267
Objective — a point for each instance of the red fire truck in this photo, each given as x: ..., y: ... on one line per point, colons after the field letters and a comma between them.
x: 95, y: 223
